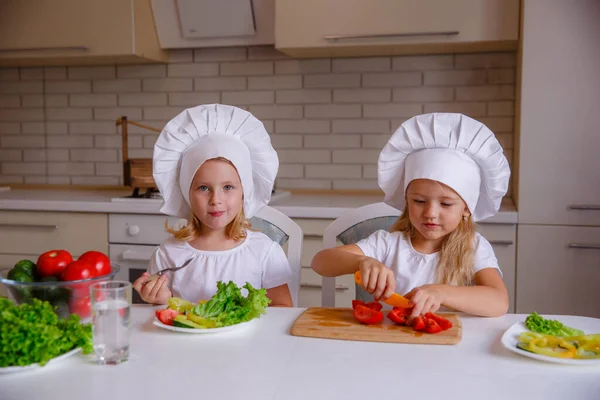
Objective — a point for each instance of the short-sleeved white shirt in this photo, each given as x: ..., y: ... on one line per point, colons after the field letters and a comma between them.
x: 258, y: 260
x: 411, y: 268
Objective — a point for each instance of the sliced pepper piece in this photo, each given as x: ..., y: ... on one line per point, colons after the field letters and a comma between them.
x: 552, y: 348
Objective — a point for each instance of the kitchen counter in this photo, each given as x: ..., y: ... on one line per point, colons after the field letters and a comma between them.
x: 325, y: 206
x: 265, y: 362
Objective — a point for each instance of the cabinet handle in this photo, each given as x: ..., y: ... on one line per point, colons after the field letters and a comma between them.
x: 72, y: 48
x: 501, y: 242
x: 386, y: 35
x: 33, y: 226
x: 136, y: 256
x: 585, y: 207
x: 317, y: 286
x: 583, y: 246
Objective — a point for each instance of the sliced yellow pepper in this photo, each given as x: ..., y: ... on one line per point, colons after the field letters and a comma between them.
x: 552, y: 347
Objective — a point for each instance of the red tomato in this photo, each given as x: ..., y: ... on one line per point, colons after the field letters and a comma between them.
x: 418, y: 324
x: 431, y: 326
x: 166, y: 316
x: 367, y: 316
x: 78, y: 270
x: 99, y: 260
x: 396, y: 317
x: 374, y: 305
x: 441, y: 321
x: 80, y: 306
x: 358, y: 303
x: 52, y: 262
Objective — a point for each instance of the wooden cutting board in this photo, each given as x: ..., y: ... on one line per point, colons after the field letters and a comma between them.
x: 339, y: 323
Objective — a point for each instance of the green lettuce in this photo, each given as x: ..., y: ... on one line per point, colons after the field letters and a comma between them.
x: 229, y: 307
x: 536, y: 323
x: 33, y: 333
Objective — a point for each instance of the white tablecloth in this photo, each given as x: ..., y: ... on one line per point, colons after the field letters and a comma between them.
x: 266, y: 362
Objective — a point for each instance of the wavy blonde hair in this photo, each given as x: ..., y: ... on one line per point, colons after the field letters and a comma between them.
x: 235, y: 230
x: 457, y: 255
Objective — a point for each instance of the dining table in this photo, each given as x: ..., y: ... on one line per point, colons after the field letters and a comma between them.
x: 264, y: 361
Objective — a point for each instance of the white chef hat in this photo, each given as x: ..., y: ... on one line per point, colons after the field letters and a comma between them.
x: 449, y: 148
x: 209, y: 131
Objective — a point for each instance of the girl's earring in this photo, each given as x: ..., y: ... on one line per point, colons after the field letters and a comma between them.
x: 465, y: 218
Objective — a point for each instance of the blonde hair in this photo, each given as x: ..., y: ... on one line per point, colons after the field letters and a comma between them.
x: 235, y: 230
x: 456, y: 257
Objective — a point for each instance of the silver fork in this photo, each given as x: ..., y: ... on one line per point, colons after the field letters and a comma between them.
x: 164, y: 271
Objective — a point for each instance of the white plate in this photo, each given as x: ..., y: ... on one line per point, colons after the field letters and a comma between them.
x: 229, y: 328
x: 588, y: 325
x: 55, y: 360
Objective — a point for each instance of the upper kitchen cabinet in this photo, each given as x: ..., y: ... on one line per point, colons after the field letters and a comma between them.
x: 346, y: 28
x: 77, y: 32
x: 214, y: 23
x: 559, y: 165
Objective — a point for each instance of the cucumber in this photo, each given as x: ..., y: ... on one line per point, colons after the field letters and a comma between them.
x: 181, y: 321
x: 524, y: 346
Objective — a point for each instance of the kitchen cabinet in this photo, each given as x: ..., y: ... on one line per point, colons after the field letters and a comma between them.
x: 559, y: 167
x: 342, y: 28
x: 27, y: 234
x: 75, y: 32
x: 558, y: 263
x: 503, y: 238
x: 558, y: 270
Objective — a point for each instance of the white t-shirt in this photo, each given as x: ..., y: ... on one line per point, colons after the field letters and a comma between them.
x: 258, y: 260
x: 411, y: 268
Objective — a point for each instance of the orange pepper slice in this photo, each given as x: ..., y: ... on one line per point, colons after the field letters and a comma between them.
x: 394, y: 300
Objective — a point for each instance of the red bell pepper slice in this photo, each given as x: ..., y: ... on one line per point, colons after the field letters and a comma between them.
x: 367, y: 316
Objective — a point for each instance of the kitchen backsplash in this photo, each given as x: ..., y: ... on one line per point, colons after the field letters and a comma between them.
x: 328, y: 118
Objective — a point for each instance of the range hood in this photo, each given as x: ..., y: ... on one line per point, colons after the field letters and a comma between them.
x: 214, y: 23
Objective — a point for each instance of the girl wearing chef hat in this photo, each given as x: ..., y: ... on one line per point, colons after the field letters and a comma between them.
x: 443, y: 171
x: 214, y: 165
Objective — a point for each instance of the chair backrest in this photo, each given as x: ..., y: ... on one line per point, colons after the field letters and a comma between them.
x: 282, y: 229
x: 352, y: 227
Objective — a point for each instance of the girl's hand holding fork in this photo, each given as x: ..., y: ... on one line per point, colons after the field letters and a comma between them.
x: 155, y: 291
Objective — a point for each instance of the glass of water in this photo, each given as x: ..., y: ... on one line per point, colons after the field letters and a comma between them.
x: 111, y: 304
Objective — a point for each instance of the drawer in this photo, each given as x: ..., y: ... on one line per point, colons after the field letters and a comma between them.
x: 140, y: 229
x: 498, y: 234
x: 32, y: 233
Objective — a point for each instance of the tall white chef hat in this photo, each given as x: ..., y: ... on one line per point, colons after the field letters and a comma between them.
x: 449, y: 148
x: 209, y: 131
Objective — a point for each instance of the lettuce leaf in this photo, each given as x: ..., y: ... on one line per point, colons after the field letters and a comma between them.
x: 229, y: 307
x: 536, y: 323
x: 33, y: 333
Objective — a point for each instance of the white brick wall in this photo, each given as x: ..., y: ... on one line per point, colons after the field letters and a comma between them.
x: 328, y: 118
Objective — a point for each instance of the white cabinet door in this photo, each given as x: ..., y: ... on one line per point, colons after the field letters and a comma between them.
x: 559, y: 166
x: 558, y: 270
x: 361, y: 27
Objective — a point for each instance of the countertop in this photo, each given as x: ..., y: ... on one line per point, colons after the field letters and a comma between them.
x: 323, y: 206
x: 264, y: 361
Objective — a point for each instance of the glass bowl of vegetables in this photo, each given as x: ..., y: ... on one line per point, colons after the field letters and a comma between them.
x: 65, y: 287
